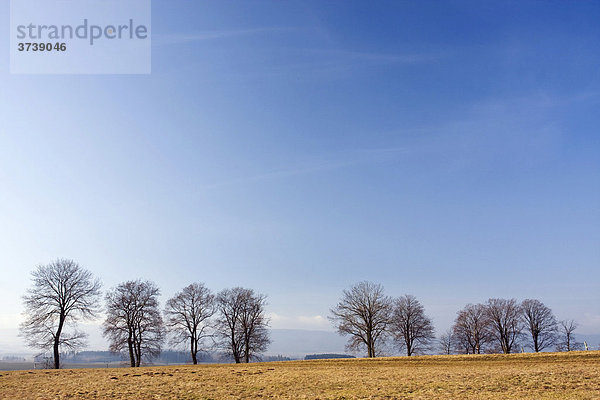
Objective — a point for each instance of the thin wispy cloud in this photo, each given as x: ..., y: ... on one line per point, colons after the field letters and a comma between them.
x: 374, y: 57
x: 201, y: 36
x: 335, y: 162
x: 518, y: 130
x: 324, y: 60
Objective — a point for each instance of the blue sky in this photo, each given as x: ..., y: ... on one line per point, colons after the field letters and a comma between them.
x: 448, y: 150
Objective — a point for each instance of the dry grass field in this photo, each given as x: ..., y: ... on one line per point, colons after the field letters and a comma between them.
x: 521, y: 376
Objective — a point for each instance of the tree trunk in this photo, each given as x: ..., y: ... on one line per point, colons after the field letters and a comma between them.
x: 138, y: 361
x: 61, y: 321
x: 131, y: 354
x: 506, y: 344
x: 194, y: 351
x: 247, y: 350
x: 234, y: 347
x: 370, y: 345
x: 56, y: 354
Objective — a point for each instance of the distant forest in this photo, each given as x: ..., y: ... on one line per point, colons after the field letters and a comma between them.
x: 166, y: 357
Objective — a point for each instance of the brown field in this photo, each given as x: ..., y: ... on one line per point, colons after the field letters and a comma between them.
x: 521, y: 376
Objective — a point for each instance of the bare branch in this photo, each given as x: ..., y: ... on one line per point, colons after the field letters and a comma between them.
x: 540, y: 323
x: 134, y: 322
x: 413, y: 331
x: 62, y: 293
x: 505, y: 322
x: 241, y: 326
x: 567, y: 340
x: 447, y: 342
x: 188, y: 316
x: 470, y: 329
x: 363, y: 313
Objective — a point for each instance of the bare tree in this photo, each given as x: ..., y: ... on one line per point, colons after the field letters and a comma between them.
x: 229, y: 304
x: 187, y: 316
x: 364, y: 313
x: 411, y: 328
x: 567, y: 339
x: 254, y: 325
x: 241, y: 325
x: 470, y: 328
x: 133, y: 321
x: 62, y: 293
x: 505, y: 322
x: 540, y: 323
x: 446, y: 342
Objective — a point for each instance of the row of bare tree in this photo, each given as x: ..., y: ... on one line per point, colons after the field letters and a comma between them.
x: 234, y: 319
x: 505, y: 325
x: 64, y: 293
x: 370, y: 319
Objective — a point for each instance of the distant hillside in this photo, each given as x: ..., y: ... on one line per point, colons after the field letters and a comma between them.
x: 326, y: 356
x: 293, y: 343
x: 298, y: 343
x: 166, y: 357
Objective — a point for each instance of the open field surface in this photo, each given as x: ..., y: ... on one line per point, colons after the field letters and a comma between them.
x: 17, y: 366
x: 522, y: 376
